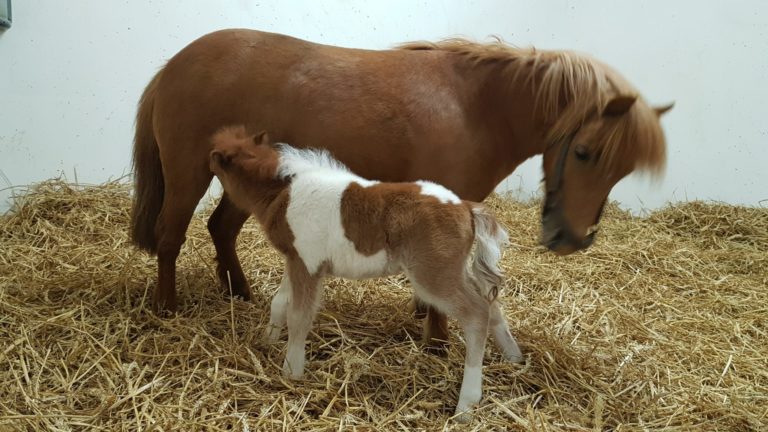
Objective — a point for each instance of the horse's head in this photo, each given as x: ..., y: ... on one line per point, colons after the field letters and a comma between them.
x: 583, y: 162
x: 242, y: 161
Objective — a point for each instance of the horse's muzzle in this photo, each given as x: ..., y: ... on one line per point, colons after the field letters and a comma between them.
x: 562, y: 241
x: 557, y: 235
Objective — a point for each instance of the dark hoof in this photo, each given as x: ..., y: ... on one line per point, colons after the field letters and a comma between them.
x: 241, y: 290
x: 164, y: 309
x: 437, y: 348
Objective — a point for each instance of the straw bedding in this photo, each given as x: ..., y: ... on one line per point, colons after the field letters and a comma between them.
x: 660, y: 325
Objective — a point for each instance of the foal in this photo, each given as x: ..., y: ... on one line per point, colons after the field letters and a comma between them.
x: 327, y: 221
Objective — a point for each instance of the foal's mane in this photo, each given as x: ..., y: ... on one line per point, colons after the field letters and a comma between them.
x: 294, y: 161
x: 569, y: 88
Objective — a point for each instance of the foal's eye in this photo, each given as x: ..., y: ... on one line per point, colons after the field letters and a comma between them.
x: 581, y: 153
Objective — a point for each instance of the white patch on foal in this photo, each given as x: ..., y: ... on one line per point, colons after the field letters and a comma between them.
x: 314, y: 214
x: 440, y: 192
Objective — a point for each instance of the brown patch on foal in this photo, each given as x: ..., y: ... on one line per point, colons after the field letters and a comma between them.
x: 366, y: 213
x: 391, y: 215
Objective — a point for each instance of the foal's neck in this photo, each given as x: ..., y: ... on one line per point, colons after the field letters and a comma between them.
x: 262, y: 195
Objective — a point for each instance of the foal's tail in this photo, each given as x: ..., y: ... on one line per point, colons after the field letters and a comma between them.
x: 491, y: 238
x: 147, y: 174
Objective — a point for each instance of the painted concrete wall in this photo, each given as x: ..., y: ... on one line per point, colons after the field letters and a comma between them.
x: 71, y: 74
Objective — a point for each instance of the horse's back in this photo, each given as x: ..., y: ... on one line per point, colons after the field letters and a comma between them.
x: 392, y: 115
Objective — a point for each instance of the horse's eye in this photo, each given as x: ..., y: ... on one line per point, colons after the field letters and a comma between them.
x: 581, y: 153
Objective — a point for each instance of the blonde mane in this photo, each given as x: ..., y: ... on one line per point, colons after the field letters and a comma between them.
x: 570, y: 88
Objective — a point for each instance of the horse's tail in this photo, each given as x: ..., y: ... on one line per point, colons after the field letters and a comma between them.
x: 147, y: 173
x: 490, y: 238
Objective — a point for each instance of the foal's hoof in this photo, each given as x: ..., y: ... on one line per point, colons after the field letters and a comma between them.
x: 514, y: 358
x: 272, y: 334
x: 290, y: 374
x: 463, y: 416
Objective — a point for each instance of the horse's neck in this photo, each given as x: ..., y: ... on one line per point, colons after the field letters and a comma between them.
x: 508, y: 98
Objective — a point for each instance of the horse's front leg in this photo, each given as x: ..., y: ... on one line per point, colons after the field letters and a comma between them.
x: 435, y: 328
x: 224, y: 225
x: 435, y: 338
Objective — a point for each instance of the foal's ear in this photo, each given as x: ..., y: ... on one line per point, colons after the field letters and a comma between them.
x: 661, y: 110
x: 619, y: 105
x: 219, y: 159
x: 261, y: 138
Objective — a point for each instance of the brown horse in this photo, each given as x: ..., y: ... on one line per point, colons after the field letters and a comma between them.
x: 457, y: 113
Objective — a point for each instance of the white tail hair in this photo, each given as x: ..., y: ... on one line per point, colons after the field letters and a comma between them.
x: 491, y: 239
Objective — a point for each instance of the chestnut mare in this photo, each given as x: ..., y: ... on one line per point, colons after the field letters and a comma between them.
x: 457, y: 113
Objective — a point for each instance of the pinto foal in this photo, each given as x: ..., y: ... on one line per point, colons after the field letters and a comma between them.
x: 327, y: 221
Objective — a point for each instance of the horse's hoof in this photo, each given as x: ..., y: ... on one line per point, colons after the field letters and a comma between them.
x: 241, y: 293
x: 237, y: 289
x: 416, y: 308
x: 164, y: 309
x: 436, y: 348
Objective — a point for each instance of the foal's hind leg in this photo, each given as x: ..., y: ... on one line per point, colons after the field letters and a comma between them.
x: 503, y: 337
x: 224, y: 225
x: 448, y: 293
x: 182, y: 193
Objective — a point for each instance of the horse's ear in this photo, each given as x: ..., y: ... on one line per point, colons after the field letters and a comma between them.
x: 619, y: 105
x: 661, y: 110
x: 261, y: 138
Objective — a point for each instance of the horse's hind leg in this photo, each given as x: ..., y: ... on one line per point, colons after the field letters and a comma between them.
x: 224, y: 225
x: 435, y: 336
x: 179, y: 202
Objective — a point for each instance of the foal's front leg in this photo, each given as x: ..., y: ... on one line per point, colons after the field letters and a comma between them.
x: 302, y: 306
x: 278, y: 310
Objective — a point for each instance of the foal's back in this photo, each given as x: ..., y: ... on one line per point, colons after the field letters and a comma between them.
x: 357, y: 228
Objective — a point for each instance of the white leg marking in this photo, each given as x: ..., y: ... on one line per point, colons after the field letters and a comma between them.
x: 279, y: 309
x: 299, y: 317
x: 471, y: 385
x: 503, y: 337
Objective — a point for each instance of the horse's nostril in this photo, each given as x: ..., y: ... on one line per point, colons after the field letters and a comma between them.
x: 556, y: 238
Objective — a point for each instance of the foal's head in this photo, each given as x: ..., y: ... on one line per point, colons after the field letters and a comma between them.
x: 243, y: 162
x: 583, y: 162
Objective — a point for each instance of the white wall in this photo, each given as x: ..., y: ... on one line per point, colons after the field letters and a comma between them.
x: 71, y: 73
